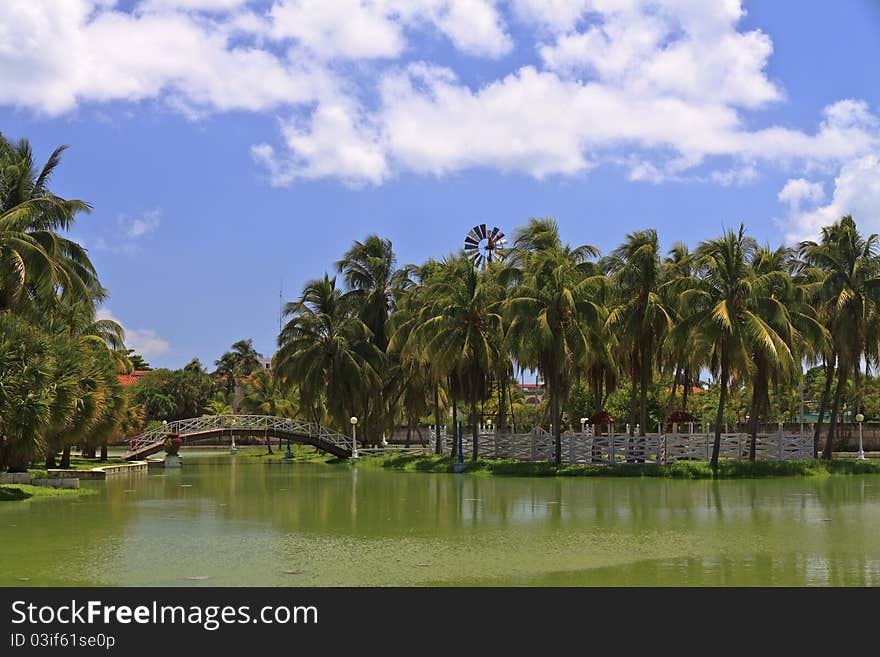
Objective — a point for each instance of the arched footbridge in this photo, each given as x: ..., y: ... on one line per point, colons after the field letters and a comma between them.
x: 298, y: 431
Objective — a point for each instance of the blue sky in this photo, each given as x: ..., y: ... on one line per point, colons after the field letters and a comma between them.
x: 227, y: 145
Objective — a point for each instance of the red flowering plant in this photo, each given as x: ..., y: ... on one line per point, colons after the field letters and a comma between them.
x: 602, y: 418
x: 172, y: 444
x: 680, y: 417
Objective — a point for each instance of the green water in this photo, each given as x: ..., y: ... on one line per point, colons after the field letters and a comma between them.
x: 225, y: 522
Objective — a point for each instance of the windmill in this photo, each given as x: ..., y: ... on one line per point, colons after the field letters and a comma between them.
x: 483, y: 246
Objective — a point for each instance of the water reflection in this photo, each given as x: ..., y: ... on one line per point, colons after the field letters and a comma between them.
x: 239, y: 522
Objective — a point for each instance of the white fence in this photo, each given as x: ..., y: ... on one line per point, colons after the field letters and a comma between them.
x: 581, y: 448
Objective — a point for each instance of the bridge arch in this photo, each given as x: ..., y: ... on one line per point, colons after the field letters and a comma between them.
x: 299, y: 431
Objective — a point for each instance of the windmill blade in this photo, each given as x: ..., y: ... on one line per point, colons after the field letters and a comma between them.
x: 482, y: 230
x: 470, y: 247
x: 479, y: 261
x: 475, y: 231
x: 471, y: 240
x: 499, y: 237
x: 495, y: 231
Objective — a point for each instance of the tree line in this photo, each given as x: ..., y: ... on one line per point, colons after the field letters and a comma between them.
x: 59, y: 363
x: 392, y: 344
x: 397, y: 344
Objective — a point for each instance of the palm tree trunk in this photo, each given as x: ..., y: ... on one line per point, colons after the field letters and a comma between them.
x: 670, y: 402
x: 842, y: 373
x: 502, y: 406
x: 753, y: 421
x: 633, y: 400
x: 719, y: 418
x: 65, y: 457
x: 50, y: 458
x: 557, y: 421
x: 823, y: 406
x: 438, y: 448
x: 454, y: 452
x: 475, y: 419
x: 646, y: 367
x: 103, y: 452
x: 685, y: 389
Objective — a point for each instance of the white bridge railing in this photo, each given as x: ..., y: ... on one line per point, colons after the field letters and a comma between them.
x: 256, y: 423
x: 581, y: 448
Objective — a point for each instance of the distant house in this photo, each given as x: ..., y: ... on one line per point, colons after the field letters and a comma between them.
x: 130, y: 379
x: 533, y: 392
x: 266, y: 363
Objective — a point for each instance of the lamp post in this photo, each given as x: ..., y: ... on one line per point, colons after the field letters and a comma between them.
x: 584, y: 421
x: 460, y: 466
x: 860, y: 418
x: 354, y: 442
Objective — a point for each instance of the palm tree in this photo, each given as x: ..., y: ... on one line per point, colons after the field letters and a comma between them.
x: 679, y: 354
x: 784, y: 306
x: 326, y: 350
x: 37, y: 265
x: 461, y: 330
x: 639, y: 315
x: 265, y: 394
x: 27, y: 392
x: 374, y: 285
x: 850, y: 295
x: 721, y: 312
x: 241, y: 360
x: 552, y: 308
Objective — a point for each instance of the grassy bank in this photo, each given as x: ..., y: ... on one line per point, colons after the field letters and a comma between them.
x: 301, y: 454
x: 17, y: 492
x: 76, y: 463
x: 680, y: 470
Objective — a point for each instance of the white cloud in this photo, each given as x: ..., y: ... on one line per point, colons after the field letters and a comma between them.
x: 55, y: 55
x: 144, y: 341
x: 333, y: 143
x: 856, y: 192
x: 366, y: 29
x: 128, y: 231
x: 197, y: 5
x: 136, y: 227
x: 798, y: 190
x: 666, y: 89
x: 691, y: 51
x: 342, y: 28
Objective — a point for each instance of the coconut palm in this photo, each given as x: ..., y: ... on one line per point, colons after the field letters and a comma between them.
x: 784, y: 306
x: 461, y: 330
x: 37, y: 265
x: 639, y: 315
x: 265, y: 394
x: 680, y: 356
x: 241, y: 360
x: 374, y: 284
x: 326, y: 351
x: 552, y: 309
x: 850, y: 295
x: 721, y: 311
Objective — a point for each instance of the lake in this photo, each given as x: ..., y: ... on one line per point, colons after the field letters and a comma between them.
x: 227, y: 521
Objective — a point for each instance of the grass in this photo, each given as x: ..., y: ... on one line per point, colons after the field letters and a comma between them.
x: 17, y: 492
x: 301, y: 454
x: 76, y: 463
x: 680, y: 470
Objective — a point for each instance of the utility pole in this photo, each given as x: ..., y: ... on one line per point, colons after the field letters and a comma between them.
x: 280, y: 306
